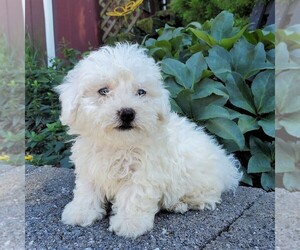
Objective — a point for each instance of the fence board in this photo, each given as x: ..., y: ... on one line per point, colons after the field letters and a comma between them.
x: 76, y: 22
x: 35, y: 24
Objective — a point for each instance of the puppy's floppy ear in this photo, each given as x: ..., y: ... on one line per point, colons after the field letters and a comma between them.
x: 165, y: 109
x: 69, y: 98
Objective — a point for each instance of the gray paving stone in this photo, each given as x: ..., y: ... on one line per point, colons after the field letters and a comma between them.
x: 255, y: 229
x: 12, y: 204
x: 287, y: 207
x: 48, y: 190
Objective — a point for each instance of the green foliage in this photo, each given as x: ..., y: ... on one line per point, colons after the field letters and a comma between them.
x: 46, y: 138
x: 288, y: 107
x: 11, y: 104
x: 222, y: 77
x: 201, y: 10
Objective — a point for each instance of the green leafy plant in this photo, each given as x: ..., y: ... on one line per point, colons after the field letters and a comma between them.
x: 200, y: 10
x: 288, y: 107
x: 46, y: 138
x: 222, y: 77
x: 11, y: 105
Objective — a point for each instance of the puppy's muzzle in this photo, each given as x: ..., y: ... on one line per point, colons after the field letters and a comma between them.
x: 126, y: 116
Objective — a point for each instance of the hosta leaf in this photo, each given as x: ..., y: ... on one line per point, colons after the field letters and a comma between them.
x: 296, y: 147
x: 150, y: 42
x: 285, y: 162
x: 204, y: 36
x: 230, y: 145
x: 263, y: 91
x: 291, y: 181
x: 277, y: 124
x: 227, y: 43
x: 270, y: 28
x: 208, y: 112
x: 196, y: 25
x: 66, y: 162
x: 233, y: 114
x: 259, y: 147
x: 239, y: 93
x: 209, y: 100
x: 251, y: 37
x: 178, y: 32
x: 158, y: 52
x: 295, y: 55
x: 184, y: 99
x: 165, y: 33
x: 222, y: 26
x: 183, y: 55
x: 266, y: 36
x: 271, y: 56
x: 247, y: 123
x: 164, y: 44
x: 291, y: 124
x: 175, y: 106
x: 282, y: 59
x: 173, y: 87
x: 268, y: 124
x: 206, y: 87
x: 248, y: 59
x: 196, y: 64
x: 246, y: 178
x: 287, y: 92
x: 178, y: 70
x: 206, y: 25
x: 258, y: 163
x: 180, y: 41
x: 268, y: 181
x: 219, y: 61
x: 226, y: 129
x: 159, y: 49
x: 198, y: 47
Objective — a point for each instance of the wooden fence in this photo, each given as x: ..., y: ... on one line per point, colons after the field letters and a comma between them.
x: 35, y: 23
x: 111, y: 25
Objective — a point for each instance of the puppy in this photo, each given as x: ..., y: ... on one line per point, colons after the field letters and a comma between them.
x: 131, y: 149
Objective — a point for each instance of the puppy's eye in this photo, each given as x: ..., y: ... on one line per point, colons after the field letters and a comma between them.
x: 141, y: 92
x: 103, y: 91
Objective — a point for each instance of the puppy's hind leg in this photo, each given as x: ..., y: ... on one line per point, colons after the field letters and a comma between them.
x: 86, y: 206
x: 203, y: 200
x: 179, y: 207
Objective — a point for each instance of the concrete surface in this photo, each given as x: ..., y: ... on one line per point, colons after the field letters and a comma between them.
x: 287, y: 219
x: 12, y: 204
x: 243, y: 221
x: 254, y: 229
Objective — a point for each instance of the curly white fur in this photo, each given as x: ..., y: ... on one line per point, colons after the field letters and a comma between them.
x: 163, y: 162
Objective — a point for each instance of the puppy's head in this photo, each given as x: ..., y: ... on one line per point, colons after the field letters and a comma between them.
x: 114, y: 92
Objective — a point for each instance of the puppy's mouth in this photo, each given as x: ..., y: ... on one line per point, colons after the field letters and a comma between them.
x: 125, y: 127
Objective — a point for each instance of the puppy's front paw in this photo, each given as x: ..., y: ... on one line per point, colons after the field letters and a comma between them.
x: 131, y: 227
x: 76, y: 214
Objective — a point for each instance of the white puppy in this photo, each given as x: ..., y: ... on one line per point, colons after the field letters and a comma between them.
x: 131, y: 150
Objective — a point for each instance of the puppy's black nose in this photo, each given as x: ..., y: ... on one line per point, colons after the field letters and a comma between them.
x: 127, y: 115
